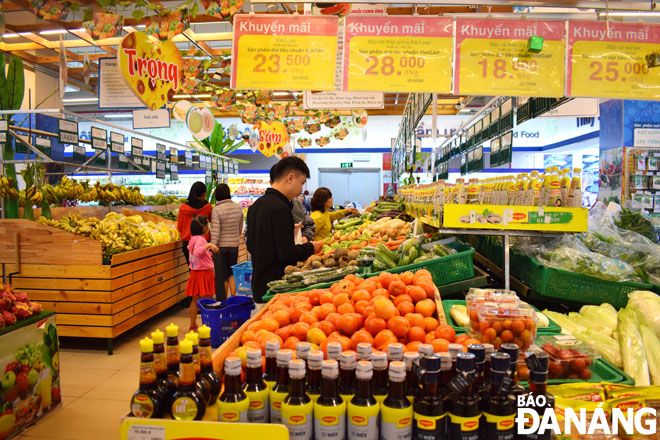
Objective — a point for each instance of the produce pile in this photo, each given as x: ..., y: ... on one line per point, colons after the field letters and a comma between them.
x: 169, y: 215
x: 160, y: 199
x: 15, y: 306
x: 409, y: 252
x: 117, y: 233
x: 8, y: 188
x: 382, y: 209
x: 68, y: 189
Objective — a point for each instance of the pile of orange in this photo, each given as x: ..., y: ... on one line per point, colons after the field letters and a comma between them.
x: 380, y: 310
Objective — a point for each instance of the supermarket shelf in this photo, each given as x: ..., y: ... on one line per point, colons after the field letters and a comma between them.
x: 517, y: 285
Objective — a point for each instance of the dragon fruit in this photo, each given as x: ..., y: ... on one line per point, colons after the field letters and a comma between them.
x: 36, y: 308
x: 10, y: 318
x: 21, y: 297
x: 22, y: 310
x: 2, y: 321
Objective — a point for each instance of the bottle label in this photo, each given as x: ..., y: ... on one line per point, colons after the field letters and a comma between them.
x: 429, y: 428
x: 500, y: 427
x: 276, y: 406
x: 172, y: 354
x: 147, y: 372
x: 160, y: 363
x: 464, y: 428
x: 184, y: 408
x: 142, y: 406
x: 330, y: 422
x: 362, y: 422
x: 396, y: 423
x: 259, y: 406
x: 233, y: 411
x: 205, y: 355
x: 187, y: 373
x: 299, y: 420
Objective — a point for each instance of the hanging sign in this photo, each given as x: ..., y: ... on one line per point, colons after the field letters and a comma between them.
x: 152, y: 69
x: 160, y: 169
x: 174, y: 172
x: 79, y: 153
x: 160, y: 152
x: 122, y: 161
x: 284, y: 52
x: 188, y: 158
x: 99, y: 138
x: 117, y: 142
x: 174, y: 154
x: 136, y: 147
x: 3, y: 130
x: 208, y: 177
x: 67, y: 132
x: 151, y: 119
x: 42, y: 144
x: 398, y: 54
x: 492, y: 58
x: 272, y: 137
x: 608, y: 59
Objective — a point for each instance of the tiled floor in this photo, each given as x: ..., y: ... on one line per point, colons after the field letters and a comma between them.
x: 97, y: 388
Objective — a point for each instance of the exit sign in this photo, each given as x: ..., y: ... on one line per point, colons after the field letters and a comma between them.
x: 347, y: 165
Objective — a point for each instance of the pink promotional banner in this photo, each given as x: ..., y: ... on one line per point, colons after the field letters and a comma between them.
x: 608, y: 60
x: 492, y: 58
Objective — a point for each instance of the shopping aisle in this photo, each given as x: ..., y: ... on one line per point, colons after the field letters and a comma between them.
x: 97, y: 388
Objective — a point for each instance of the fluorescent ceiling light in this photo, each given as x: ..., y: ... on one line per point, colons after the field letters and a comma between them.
x: 53, y: 32
x: 76, y: 100
x: 630, y: 14
x: 118, y: 116
x: 208, y: 95
x: 282, y: 94
x: 10, y: 35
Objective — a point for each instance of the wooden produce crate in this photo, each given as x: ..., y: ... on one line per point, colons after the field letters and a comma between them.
x: 65, y: 273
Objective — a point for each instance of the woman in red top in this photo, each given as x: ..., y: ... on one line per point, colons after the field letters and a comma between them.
x: 196, y: 205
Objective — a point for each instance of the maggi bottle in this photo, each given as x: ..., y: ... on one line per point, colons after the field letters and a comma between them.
x: 302, y: 352
x: 334, y: 350
x: 347, y: 372
x: 429, y: 413
x: 233, y: 404
x: 202, y: 387
x: 473, y: 192
x: 396, y: 410
x: 186, y: 403
x: 379, y: 362
x: 395, y: 352
x: 363, y: 409
x: 256, y: 389
x: 281, y: 387
x: 172, y: 352
x: 270, y: 375
x: 166, y: 386
x: 297, y: 407
x: 565, y: 176
x: 575, y: 191
x: 554, y: 193
x: 544, y: 195
x: 209, y: 376
x: 147, y: 401
x: 411, y: 359
x: 314, y: 374
x: 531, y: 196
x: 330, y: 408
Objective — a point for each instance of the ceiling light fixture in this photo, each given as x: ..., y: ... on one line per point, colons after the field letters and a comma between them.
x: 53, y: 32
x: 10, y: 35
x: 205, y: 95
x: 79, y: 100
x: 629, y: 14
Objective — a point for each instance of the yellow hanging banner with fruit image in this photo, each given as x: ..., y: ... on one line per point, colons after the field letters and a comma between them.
x: 152, y: 69
x: 273, y: 136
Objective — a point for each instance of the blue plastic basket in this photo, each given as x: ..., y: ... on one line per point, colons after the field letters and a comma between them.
x: 224, y: 322
x: 243, y: 277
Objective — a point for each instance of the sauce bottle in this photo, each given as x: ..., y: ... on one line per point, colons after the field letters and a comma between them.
x: 302, y: 352
x: 297, y: 407
x: 233, y: 404
x: 499, y: 406
x: 147, y: 402
x: 334, y: 350
x: 256, y: 389
x: 454, y: 349
x: 270, y: 375
x: 465, y: 414
x: 364, y: 351
x: 490, y: 349
x: 395, y: 352
x: 411, y: 358
x: 281, y: 387
x: 565, y: 178
x: 209, y: 376
x: 166, y: 386
x: 512, y: 351
x: 479, y: 352
x: 445, y: 374
x: 396, y: 410
x: 347, y: 381
x: 363, y: 409
x: 172, y: 352
x: 330, y: 408
x: 430, y: 422
x: 379, y: 362
x: 575, y: 190
x: 425, y: 350
x: 202, y: 387
x: 554, y: 189
x: 186, y: 403
x: 538, y: 377
x: 314, y: 374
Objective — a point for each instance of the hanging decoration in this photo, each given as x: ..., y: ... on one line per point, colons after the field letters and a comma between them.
x: 224, y: 9
x: 168, y: 25
x: 254, y: 140
x: 50, y: 9
x: 294, y: 126
x: 272, y: 137
x: 180, y: 110
x: 323, y: 141
x: 248, y: 114
x: 333, y: 122
x: 341, y: 134
x: 312, y: 127
x: 359, y: 118
x: 200, y: 122
x: 304, y: 142
x: 104, y: 25
x: 223, y: 99
x: 86, y: 68
x: 285, y: 151
x: 191, y: 70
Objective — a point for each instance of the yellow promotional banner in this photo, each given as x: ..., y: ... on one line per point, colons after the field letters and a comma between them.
x: 527, y: 218
x: 166, y: 429
x: 492, y: 58
x: 398, y: 54
x: 284, y: 52
x: 608, y: 59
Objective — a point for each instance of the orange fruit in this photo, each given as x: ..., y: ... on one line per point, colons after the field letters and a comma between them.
x: 333, y: 318
x: 316, y: 336
x: 326, y: 297
x: 422, y: 273
x: 348, y: 324
x: 417, y: 293
x: 415, y: 319
x: 426, y: 307
x: 284, y: 332
x: 416, y: 334
x: 399, y: 326
x: 380, y: 292
x: 430, y: 324
x: 360, y: 306
x: 385, y: 278
x: 375, y: 325
x: 361, y: 295
x: 300, y: 330
x: 269, y: 324
x: 341, y: 298
x: 327, y: 327
x: 384, y: 338
x: 397, y: 288
x: 470, y: 341
x: 308, y: 317
x: 402, y: 298
x: 326, y: 309
x: 440, y: 345
x: 460, y: 339
x: 412, y: 346
x: 248, y: 335
x: 315, y: 297
x: 345, y: 308
x: 427, y: 285
x: 282, y: 317
x: 290, y: 343
x: 407, y: 277
x: 446, y: 332
x: 405, y: 307
x: 383, y: 308
x: 361, y: 336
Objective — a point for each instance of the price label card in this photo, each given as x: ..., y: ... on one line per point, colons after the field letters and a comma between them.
x: 160, y: 152
x: 208, y: 177
x: 99, y: 138
x: 398, y: 54
x: 78, y: 153
x: 284, y: 52
x: 188, y: 158
x: 116, y: 142
x: 136, y: 147
x: 174, y: 155
x: 609, y: 60
x: 160, y: 169
x: 67, y: 132
x: 492, y: 58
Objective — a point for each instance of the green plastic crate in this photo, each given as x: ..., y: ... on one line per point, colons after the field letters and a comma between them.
x: 569, y: 286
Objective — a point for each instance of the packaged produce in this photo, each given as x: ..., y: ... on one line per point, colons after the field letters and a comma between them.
x: 505, y: 323
x: 570, y: 358
x: 632, y: 348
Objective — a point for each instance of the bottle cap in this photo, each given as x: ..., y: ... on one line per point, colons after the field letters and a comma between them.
x: 253, y: 357
x: 479, y: 352
x: 512, y: 351
x: 454, y: 349
x: 185, y: 346
x: 347, y: 359
x: 297, y: 369
x: 577, y: 170
x: 330, y: 369
x: 432, y: 363
x: 409, y: 358
x: 499, y: 362
x: 146, y: 345
x: 445, y: 361
x: 465, y: 362
x: 543, y: 360
x: 397, y: 371
x: 379, y: 359
x: 364, y: 351
x: 334, y: 350
x: 284, y: 357
x: 204, y: 332
x: 172, y: 330
x: 272, y: 347
x: 232, y: 365
x: 158, y: 337
x: 315, y: 359
x: 490, y: 349
x: 395, y: 352
x: 302, y: 350
x: 364, y: 370
x: 193, y: 337
x: 425, y: 349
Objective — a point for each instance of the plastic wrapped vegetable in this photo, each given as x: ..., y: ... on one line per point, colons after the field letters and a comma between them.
x: 606, y: 346
x: 590, y: 264
x: 652, y: 350
x: 567, y: 325
x: 646, y: 305
x: 632, y: 348
x: 604, y: 314
x: 459, y: 313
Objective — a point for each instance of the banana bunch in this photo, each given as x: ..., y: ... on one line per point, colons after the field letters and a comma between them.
x: 34, y: 195
x: 50, y: 194
x: 8, y: 188
x: 69, y: 189
x: 113, y: 193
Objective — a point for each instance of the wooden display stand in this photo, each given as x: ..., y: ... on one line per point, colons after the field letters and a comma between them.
x: 65, y: 273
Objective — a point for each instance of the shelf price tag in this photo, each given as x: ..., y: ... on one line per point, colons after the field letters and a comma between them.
x: 284, y: 52
x: 160, y: 152
x: 608, y: 60
x: 174, y: 155
x: 67, y: 132
x: 99, y: 138
x: 492, y: 58
x: 136, y: 147
x: 160, y: 169
x: 398, y: 54
x: 117, y: 142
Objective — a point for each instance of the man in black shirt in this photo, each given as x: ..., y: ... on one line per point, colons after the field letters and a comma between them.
x: 270, y: 226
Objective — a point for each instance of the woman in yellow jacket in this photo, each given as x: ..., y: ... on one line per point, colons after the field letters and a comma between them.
x: 320, y: 203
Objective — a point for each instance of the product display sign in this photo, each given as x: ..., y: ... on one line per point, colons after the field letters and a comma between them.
x: 493, y: 56
x: 113, y: 91
x: 122, y: 161
x: 174, y: 172
x: 133, y: 428
x: 99, y: 138
x: 273, y: 136
x: 42, y: 144
x: 398, y: 54
x: 117, y: 142
x: 174, y: 155
x: 284, y: 52
x: 67, y: 132
x: 160, y: 152
x: 188, y: 158
x: 3, y: 130
x: 208, y: 177
x: 608, y: 59
x: 160, y: 169
x: 214, y: 164
x: 79, y: 153
x: 136, y: 147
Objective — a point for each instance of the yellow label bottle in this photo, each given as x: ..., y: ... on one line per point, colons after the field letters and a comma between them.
x: 147, y: 402
x: 255, y: 388
x: 565, y: 176
x: 554, y: 193
x: 347, y: 362
x: 545, y: 188
x: 330, y: 408
x: 233, y: 404
x: 363, y: 409
x: 531, y: 196
x: 314, y: 374
x: 297, y: 407
x: 270, y: 375
x: 281, y: 388
x: 186, y: 403
x: 575, y: 191
x: 379, y: 360
x: 396, y: 411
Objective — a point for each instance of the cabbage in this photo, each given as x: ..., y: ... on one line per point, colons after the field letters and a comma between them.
x: 567, y: 326
x: 602, y: 314
x: 590, y: 323
x: 652, y: 350
x: 647, y: 307
x: 632, y: 348
x: 604, y: 345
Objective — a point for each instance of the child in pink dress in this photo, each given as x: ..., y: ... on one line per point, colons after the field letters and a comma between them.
x: 202, y: 276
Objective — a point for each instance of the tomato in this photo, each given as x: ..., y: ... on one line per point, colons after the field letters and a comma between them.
x: 415, y: 319
x: 417, y: 293
x: 375, y: 325
x: 397, y: 288
x: 440, y: 345
x: 416, y: 334
x: 361, y: 336
x: 348, y: 324
x: 384, y: 338
x: 399, y: 326
x: 446, y: 332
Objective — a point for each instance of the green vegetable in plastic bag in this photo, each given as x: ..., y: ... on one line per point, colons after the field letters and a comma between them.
x: 632, y: 348
x: 602, y: 314
x: 652, y: 350
x: 647, y: 307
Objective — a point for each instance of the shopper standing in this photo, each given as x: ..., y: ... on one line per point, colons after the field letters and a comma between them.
x: 226, y: 229
x: 302, y: 220
x: 270, y: 226
x: 201, y: 282
x: 323, y: 218
x: 196, y: 205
